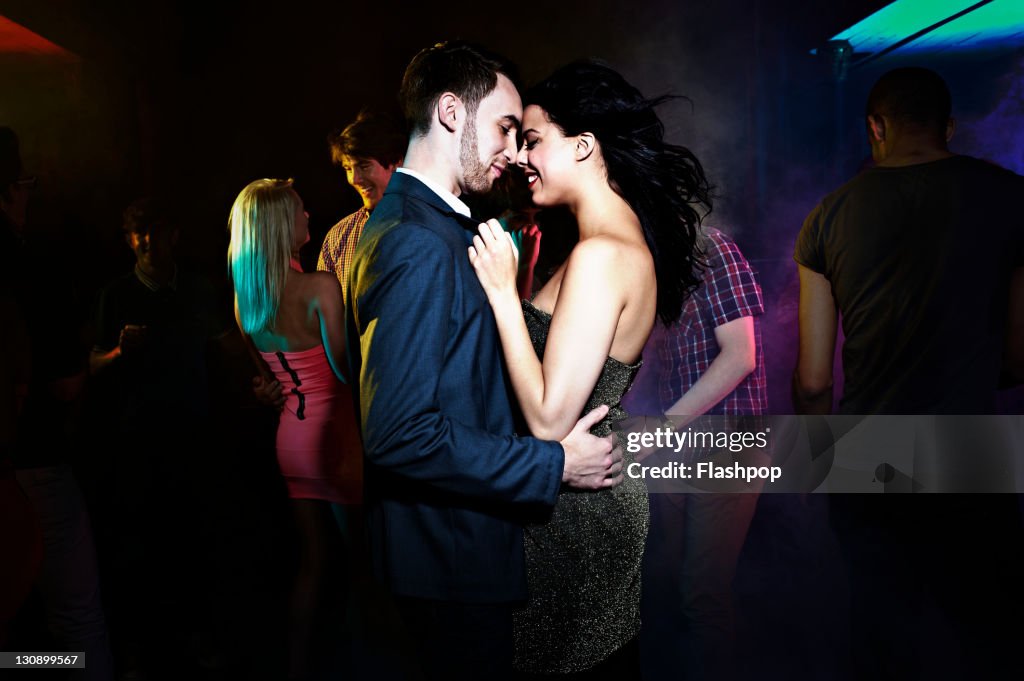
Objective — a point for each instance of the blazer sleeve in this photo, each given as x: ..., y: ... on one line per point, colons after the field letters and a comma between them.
x: 404, y: 295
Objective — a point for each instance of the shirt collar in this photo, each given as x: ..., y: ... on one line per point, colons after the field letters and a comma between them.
x: 445, y: 195
x: 152, y: 284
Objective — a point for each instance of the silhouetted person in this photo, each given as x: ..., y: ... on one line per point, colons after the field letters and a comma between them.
x: 19, y: 526
x: 50, y: 379
x: 153, y: 327
x: 918, y: 255
x: 922, y: 256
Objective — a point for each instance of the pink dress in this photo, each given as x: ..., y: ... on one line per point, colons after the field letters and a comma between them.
x: 318, y: 448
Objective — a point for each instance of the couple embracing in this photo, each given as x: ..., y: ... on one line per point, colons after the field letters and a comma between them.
x: 504, y: 551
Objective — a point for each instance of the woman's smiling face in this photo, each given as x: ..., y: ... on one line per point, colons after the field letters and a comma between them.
x: 546, y: 157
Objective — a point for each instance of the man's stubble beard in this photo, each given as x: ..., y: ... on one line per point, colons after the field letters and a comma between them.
x: 476, y: 176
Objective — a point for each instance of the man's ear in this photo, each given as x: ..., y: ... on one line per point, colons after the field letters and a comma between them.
x: 585, y: 145
x: 950, y: 129
x: 449, y: 110
x: 876, y: 128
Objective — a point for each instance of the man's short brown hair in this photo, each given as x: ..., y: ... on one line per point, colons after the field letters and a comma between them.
x: 372, y: 135
x: 468, y: 71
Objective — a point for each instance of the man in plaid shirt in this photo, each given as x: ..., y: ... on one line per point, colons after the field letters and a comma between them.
x: 708, y: 362
x: 712, y: 355
x: 369, y: 149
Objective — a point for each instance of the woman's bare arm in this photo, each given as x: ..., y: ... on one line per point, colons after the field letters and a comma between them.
x: 330, y: 307
x: 590, y: 301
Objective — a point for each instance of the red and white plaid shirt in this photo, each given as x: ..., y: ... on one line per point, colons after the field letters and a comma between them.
x: 728, y: 292
x: 340, y: 246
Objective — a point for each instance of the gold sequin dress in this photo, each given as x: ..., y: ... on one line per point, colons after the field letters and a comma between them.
x: 583, y: 563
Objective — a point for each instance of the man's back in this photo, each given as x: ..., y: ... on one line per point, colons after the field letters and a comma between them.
x: 919, y: 260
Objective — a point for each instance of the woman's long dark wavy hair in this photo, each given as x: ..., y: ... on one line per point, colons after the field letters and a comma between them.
x: 663, y: 183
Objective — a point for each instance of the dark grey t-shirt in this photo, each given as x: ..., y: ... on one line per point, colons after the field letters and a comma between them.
x: 920, y: 259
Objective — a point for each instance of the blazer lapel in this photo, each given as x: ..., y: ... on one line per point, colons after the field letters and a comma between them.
x: 411, y: 187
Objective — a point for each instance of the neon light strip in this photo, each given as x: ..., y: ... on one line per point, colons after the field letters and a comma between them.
x: 914, y: 26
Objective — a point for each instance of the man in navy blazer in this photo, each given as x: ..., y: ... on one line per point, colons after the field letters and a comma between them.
x: 448, y: 483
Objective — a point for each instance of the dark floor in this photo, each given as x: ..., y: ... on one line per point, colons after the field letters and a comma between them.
x: 793, y: 592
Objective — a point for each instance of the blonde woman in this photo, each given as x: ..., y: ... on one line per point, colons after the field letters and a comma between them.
x: 294, y: 321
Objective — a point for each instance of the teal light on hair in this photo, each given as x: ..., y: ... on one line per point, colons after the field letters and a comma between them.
x: 262, y: 221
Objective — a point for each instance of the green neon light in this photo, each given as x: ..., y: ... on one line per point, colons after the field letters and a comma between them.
x: 997, y: 23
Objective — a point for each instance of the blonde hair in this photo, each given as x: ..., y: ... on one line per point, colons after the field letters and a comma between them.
x: 261, y: 223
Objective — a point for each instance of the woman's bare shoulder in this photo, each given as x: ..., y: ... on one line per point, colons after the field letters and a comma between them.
x: 314, y: 284
x: 324, y: 281
x: 609, y: 252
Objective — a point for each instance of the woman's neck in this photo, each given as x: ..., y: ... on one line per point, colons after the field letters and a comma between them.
x: 602, y: 211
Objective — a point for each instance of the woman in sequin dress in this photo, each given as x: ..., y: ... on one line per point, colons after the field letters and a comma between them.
x: 592, y: 143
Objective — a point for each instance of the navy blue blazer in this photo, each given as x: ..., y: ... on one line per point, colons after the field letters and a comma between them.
x: 448, y: 484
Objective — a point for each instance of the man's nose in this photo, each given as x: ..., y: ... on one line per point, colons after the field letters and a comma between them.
x: 521, y: 157
x: 511, y: 148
